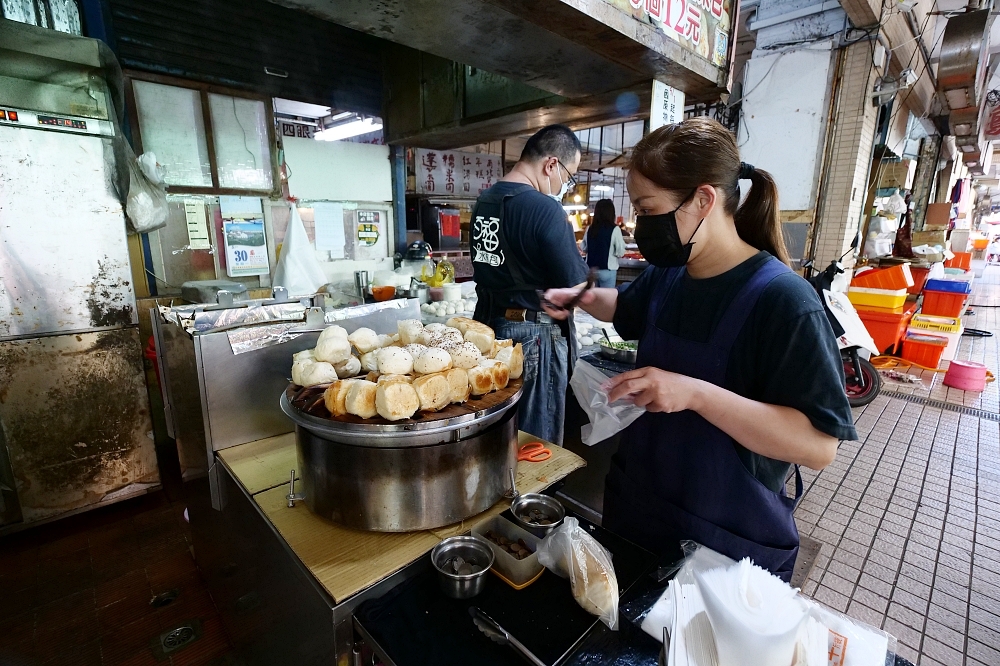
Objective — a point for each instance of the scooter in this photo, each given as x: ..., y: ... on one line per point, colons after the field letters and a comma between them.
x: 862, y: 380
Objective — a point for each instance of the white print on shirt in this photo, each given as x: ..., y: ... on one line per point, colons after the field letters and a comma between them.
x: 485, y: 241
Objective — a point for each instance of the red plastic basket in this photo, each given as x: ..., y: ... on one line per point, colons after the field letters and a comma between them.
x: 944, y: 303
x: 924, y: 350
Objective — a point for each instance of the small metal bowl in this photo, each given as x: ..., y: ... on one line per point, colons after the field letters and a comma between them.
x: 619, y: 355
x: 473, y: 551
x: 549, y: 506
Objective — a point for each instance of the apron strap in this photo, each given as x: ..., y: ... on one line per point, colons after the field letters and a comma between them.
x: 798, y: 486
x: 520, y: 284
x: 739, y: 311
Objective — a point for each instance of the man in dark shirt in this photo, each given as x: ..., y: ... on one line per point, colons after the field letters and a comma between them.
x: 521, y: 242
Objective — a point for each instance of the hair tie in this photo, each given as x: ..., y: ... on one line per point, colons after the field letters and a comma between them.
x: 746, y: 171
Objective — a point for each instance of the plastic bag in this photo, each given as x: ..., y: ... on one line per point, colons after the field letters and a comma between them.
x: 146, y: 203
x: 606, y: 419
x: 150, y: 167
x: 298, y: 268
x: 569, y: 552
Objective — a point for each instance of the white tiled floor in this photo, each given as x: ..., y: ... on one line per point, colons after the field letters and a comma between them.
x: 909, y: 516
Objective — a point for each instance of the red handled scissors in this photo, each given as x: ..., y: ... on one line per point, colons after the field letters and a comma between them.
x: 534, y: 452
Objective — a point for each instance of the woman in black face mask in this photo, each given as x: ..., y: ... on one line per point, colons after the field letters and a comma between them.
x: 738, y: 368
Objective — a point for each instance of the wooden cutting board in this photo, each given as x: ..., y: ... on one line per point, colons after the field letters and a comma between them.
x: 347, y: 561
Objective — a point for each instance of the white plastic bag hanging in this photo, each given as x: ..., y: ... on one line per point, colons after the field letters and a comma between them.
x: 606, y: 418
x: 146, y: 202
x: 298, y: 268
x: 569, y: 552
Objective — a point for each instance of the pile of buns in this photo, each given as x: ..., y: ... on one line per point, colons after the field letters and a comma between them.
x: 420, y: 368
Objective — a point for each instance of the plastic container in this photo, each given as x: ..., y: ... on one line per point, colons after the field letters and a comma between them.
x: 957, y: 286
x: 877, y: 298
x: 919, y: 277
x: 966, y: 375
x: 980, y: 243
x: 961, y: 260
x: 887, y: 327
x: 934, y: 324
x: 923, y: 349
x: 959, y: 240
x: 519, y: 574
x: 943, y: 303
x: 892, y: 278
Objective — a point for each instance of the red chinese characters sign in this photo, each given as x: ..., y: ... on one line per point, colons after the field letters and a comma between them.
x: 703, y: 26
x: 451, y: 173
x: 991, y: 123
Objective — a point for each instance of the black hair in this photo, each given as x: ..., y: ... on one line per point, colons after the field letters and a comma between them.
x: 556, y: 141
x: 604, y: 214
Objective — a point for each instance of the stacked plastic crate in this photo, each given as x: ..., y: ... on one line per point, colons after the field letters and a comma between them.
x: 879, y: 296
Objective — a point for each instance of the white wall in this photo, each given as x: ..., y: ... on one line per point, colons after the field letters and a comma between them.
x: 785, y: 106
x: 337, y: 170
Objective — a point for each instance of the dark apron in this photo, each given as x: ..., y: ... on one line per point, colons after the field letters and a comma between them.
x: 678, y: 477
x: 491, y: 249
x: 488, y: 246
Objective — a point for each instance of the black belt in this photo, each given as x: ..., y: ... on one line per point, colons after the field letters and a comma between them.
x: 517, y: 314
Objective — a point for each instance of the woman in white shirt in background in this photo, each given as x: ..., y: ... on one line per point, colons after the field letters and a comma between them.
x: 603, y: 243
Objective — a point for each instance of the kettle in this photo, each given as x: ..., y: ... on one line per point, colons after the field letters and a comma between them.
x: 419, y: 291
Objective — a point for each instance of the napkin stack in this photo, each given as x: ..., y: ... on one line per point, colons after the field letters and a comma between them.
x: 741, y: 615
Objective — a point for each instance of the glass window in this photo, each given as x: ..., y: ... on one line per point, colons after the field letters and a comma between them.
x: 242, y: 150
x: 173, y: 128
x: 65, y: 16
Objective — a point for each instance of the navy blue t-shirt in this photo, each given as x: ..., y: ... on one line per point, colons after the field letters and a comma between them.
x: 539, y: 237
x: 785, y: 355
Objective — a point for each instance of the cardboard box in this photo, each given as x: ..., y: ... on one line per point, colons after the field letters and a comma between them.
x: 897, y: 174
x: 929, y: 238
x: 938, y: 216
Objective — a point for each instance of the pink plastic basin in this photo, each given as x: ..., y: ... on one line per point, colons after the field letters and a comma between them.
x: 966, y: 375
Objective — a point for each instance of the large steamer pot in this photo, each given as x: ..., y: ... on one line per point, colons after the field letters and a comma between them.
x: 411, y: 475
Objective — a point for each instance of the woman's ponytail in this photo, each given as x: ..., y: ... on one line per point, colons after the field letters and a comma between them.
x: 699, y: 150
x: 757, y: 219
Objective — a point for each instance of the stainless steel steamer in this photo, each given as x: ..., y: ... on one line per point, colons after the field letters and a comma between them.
x: 414, y: 475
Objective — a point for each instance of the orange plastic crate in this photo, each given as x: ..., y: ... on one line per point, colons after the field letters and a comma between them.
x: 892, y: 278
x: 925, y: 350
x: 887, y: 327
x: 919, y: 278
x: 944, y: 303
x: 961, y: 260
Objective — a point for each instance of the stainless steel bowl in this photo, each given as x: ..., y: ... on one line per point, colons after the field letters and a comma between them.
x: 473, y: 551
x: 620, y: 355
x: 523, y: 505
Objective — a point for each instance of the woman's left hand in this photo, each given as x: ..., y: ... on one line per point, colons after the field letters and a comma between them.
x: 656, y: 390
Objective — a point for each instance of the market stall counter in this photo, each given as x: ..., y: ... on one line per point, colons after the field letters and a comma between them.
x: 287, y: 581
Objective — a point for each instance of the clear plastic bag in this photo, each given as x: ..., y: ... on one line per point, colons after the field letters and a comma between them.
x: 606, y: 418
x: 146, y: 203
x: 569, y: 552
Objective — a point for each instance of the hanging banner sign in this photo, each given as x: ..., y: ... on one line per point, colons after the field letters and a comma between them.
x: 701, y: 26
x: 297, y: 130
x: 667, y: 106
x: 449, y: 172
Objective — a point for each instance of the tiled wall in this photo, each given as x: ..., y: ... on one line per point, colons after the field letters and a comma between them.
x: 846, y: 184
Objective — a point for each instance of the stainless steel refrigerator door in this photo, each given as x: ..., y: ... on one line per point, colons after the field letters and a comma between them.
x: 75, y: 417
x: 64, y: 264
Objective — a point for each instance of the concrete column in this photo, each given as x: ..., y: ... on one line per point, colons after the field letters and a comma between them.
x: 844, y: 186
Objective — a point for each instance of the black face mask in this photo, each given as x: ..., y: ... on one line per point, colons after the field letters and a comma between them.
x: 660, y: 242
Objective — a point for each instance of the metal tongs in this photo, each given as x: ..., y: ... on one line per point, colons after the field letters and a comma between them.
x: 499, y: 635
x: 573, y: 302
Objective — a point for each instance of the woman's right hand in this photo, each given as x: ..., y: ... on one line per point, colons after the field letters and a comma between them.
x: 556, y: 298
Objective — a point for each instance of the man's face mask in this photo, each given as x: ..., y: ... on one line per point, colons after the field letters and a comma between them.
x: 659, y: 240
x: 565, y: 187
